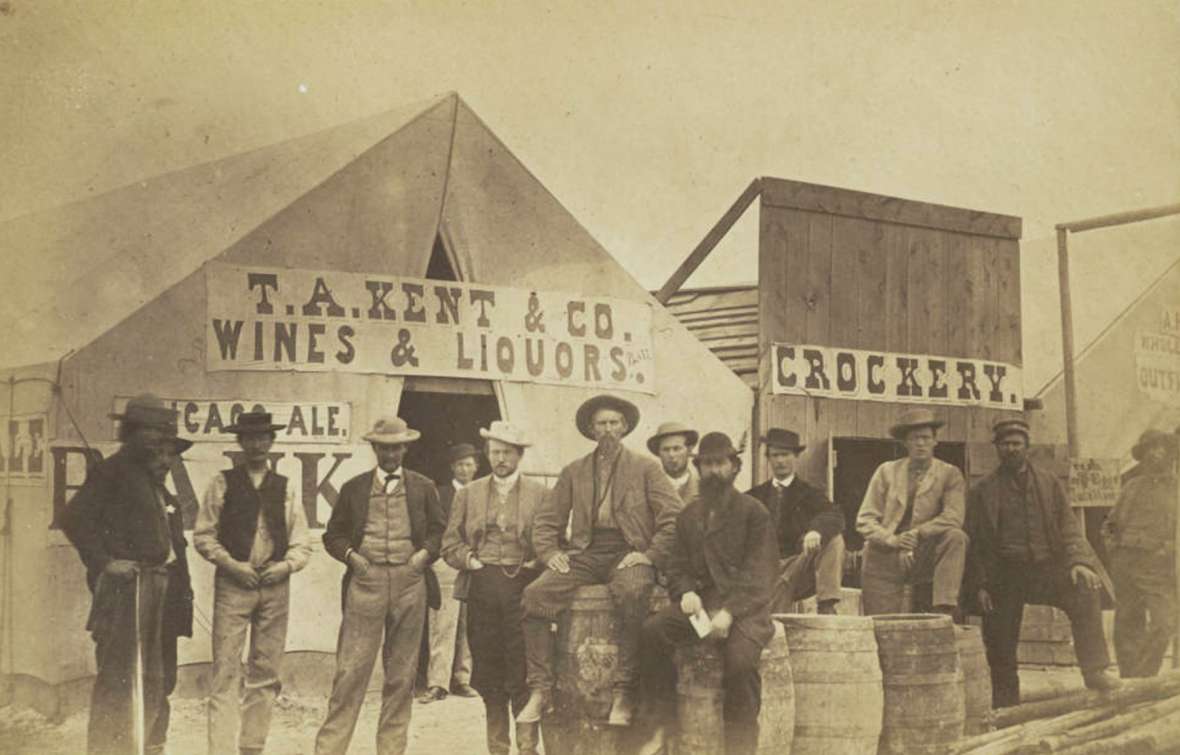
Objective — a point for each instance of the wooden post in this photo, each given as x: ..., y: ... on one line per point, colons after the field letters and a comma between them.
x: 1071, y: 409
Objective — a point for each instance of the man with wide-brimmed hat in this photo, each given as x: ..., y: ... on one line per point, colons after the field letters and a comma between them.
x: 1027, y: 547
x: 489, y: 539
x: 448, y: 660
x: 672, y: 444
x: 1141, y: 542
x: 621, y: 513
x: 722, y: 562
x: 129, y: 533
x: 387, y: 528
x: 253, y: 530
x: 912, y: 522
x: 809, y: 529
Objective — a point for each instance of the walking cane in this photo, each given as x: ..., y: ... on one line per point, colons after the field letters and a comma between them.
x: 137, y: 716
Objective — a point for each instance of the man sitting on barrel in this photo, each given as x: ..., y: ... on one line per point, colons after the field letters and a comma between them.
x: 622, y: 513
x: 723, y: 564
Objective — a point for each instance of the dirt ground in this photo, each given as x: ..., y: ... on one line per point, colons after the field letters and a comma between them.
x: 451, y: 727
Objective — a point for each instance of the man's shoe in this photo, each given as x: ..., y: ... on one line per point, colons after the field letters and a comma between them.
x: 536, y: 706
x: 1098, y: 679
x: 622, y: 708
x: 432, y: 695
x: 826, y: 607
x: 463, y: 690
x: 656, y: 744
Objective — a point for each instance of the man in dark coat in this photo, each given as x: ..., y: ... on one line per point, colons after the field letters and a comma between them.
x: 722, y: 563
x: 387, y: 527
x: 1026, y: 547
x: 809, y: 529
x: 621, y: 513
x: 129, y: 533
x: 1140, y: 537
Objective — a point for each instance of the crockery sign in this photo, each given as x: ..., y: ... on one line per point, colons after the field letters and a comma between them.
x: 306, y: 421
x: 324, y: 321
x: 830, y: 372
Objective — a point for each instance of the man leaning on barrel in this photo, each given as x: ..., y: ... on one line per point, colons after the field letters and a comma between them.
x: 722, y: 563
x: 1027, y: 547
x: 622, y: 513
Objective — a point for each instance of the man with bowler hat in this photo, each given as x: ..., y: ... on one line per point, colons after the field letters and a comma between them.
x: 672, y: 445
x: 723, y: 562
x: 621, y: 511
x: 252, y: 529
x: 809, y: 529
x: 129, y: 533
x: 1027, y: 547
x: 386, y: 527
x: 489, y: 539
x: 1140, y: 537
x: 912, y: 522
x: 448, y: 662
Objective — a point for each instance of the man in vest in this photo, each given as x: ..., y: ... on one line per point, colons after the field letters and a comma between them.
x: 251, y: 528
x: 387, y: 527
x: 673, y: 444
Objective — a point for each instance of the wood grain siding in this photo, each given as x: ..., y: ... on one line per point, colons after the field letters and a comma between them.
x: 726, y: 321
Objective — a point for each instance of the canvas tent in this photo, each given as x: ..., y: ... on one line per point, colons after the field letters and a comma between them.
x: 123, y: 289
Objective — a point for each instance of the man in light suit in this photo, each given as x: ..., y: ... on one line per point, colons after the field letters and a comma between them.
x: 622, y: 514
x: 912, y: 521
x: 673, y: 444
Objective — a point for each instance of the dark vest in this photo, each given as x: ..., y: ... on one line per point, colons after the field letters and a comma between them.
x: 239, y: 515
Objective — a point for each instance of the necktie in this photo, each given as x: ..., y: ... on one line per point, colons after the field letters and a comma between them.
x: 391, y: 478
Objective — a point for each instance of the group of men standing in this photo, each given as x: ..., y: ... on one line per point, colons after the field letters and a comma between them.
x: 513, y: 554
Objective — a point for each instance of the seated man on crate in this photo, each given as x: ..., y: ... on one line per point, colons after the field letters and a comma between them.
x: 719, y: 578
x: 1027, y: 547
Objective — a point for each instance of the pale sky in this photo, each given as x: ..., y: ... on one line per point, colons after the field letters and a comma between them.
x: 645, y: 119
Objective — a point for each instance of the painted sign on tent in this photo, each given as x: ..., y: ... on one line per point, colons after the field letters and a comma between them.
x: 1157, y: 360
x: 328, y: 321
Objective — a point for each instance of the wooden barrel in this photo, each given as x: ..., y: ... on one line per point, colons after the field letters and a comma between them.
x: 923, y: 683
x: 977, y: 680
x: 1045, y: 637
x: 837, y: 677
x: 700, y: 698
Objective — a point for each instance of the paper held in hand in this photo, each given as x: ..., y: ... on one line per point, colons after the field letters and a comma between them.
x: 701, y: 623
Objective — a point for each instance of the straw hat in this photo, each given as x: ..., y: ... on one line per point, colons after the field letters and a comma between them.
x: 672, y: 428
x: 505, y: 432
x: 391, y: 430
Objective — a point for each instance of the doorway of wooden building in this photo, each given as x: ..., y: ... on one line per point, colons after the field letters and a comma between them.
x: 446, y: 413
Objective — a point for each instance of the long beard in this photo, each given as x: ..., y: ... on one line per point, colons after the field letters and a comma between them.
x: 608, y: 444
x: 714, y: 485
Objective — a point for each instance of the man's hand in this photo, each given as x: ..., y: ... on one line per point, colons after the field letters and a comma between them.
x: 811, y: 542
x: 121, y: 569
x: 420, y: 560
x: 908, y: 540
x: 906, y: 559
x: 985, y: 601
x: 275, y: 572
x: 358, y: 563
x: 892, y: 541
x: 634, y: 558
x: 473, y: 563
x: 559, y: 562
x: 1084, y: 576
x: 722, y: 621
x: 242, y: 573
x: 690, y: 603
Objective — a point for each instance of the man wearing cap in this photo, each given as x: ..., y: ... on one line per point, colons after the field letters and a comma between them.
x: 448, y: 665
x: 809, y: 530
x: 722, y: 562
x: 1141, y: 541
x: 1027, y: 547
x: 387, y: 527
x: 621, y: 511
x: 672, y: 444
x: 251, y: 528
x: 489, y: 539
x: 129, y: 533
x: 912, y: 522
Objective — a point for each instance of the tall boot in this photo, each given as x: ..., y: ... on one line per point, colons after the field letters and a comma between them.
x: 496, y: 711
x: 527, y: 738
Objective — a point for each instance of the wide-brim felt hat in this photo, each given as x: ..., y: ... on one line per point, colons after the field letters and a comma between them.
x: 585, y: 415
x: 253, y: 422
x: 672, y: 428
x: 913, y: 420
x: 1151, y: 438
x: 778, y: 437
x: 391, y: 430
x: 715, y: 445
x: 506, y: 432
x: 149, y: 410
x: 461, y: 451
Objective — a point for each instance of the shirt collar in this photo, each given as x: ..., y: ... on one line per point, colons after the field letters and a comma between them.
x: 457, y: 485
x: 379, y: 476
x: 682, y: 479
x: 784, y: 483
x: 504, y: 484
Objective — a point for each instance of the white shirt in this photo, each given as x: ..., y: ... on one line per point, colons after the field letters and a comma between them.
x: 386, y: 480
x: 504, y: 484
x: 209, y: 515
x: 784, y: 483
x: 457, y: 485
x: 680, y: 481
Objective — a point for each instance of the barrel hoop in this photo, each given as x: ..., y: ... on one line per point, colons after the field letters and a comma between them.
x: 923, y: 680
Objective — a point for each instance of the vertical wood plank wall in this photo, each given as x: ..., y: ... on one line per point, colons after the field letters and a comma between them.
x: 854, y: 270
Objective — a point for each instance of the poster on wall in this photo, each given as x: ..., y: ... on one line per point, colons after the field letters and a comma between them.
x: 328, y: 321
x: 861, y: 375
x: 205, y: 420
x: 22, y: 448
x: 1157, y: 360
x: 1094, y: 483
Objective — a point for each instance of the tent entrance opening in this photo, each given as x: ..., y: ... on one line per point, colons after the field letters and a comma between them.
x: 446, y: 419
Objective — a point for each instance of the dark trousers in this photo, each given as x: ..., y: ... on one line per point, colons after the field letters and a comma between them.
x: 741, y: 679
x: 1040, y: 584
x: 550, y: 595
x: 1145, y: 617
x: 109, y: 731
x: 495, y: 634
